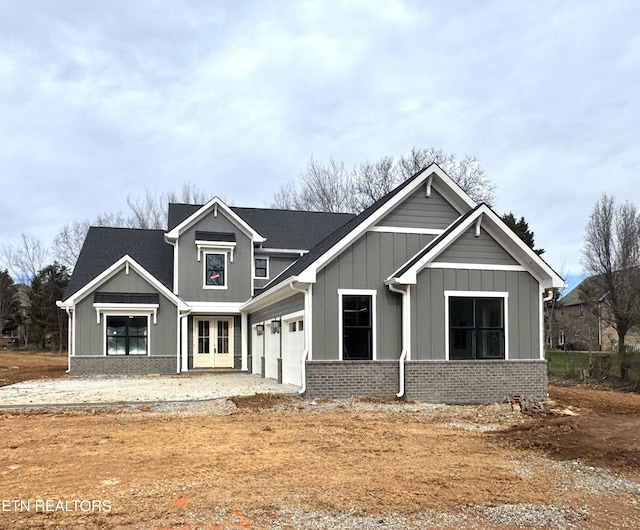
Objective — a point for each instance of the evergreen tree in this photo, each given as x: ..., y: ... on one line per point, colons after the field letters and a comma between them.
x: 48, y: 323
x: 521, y: 228
x: 9, y: 309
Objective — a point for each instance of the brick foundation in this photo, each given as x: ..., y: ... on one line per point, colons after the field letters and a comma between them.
x: 453, y: 382
x: 123, y: 365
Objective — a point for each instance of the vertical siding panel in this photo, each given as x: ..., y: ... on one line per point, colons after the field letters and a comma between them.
x: 475, y: 280
x: 440, y: 282
x: 514, y: 314
x: 488, y: 281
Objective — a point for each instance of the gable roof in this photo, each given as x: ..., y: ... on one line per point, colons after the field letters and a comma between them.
x: 104, y: 246
x: 326, y: 249
x: 125, y: 262
x: 494, y: 226
x: 214, y: 204
x: 279, y: 227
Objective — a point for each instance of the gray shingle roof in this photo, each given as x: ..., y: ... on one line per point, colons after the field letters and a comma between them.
x: 104, y: 246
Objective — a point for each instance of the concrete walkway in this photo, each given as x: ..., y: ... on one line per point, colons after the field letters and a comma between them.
x: 134, y: 389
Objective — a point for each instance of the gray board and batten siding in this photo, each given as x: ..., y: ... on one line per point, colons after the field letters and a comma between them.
x: 428, y: 309
x: 365, y: 264
x: 90, y: 336
x: 191, y: 271
x: 469, y: 248
x: 419, y: 211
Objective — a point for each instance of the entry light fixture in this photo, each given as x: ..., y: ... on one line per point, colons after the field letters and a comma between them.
x: 260, y: 330
x: 275, y: 326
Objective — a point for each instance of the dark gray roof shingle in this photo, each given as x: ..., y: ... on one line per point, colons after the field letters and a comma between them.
x: 104, y: 246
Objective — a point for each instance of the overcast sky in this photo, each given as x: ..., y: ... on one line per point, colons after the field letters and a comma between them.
x: 102, y: 100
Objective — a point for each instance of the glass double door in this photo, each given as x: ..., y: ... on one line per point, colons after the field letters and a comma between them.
x: 213, y: 343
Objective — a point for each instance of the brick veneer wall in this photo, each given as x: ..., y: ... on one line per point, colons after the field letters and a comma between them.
x: 344, y: 379
x: 453, y: 382
x: 123, y: 365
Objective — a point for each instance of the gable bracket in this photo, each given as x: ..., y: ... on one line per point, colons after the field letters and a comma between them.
x: 478, y: 223
x: 427, y: 186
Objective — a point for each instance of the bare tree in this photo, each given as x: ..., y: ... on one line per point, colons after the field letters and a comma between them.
x: 26, y: 258
x: 323, y: 188
x: 149, y: 211
x: 611, y: 256
x: 328, y: 187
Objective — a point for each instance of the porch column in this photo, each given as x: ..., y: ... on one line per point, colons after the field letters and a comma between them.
x: 184, y: 349
x: 244, y: 334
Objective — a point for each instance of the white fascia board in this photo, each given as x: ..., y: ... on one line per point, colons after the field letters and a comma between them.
x: 233, y: 217
x: 309, y: 274
x: 215, y: 307
x: 292, y: 251
x: 496, y: 228
x: 124, y: 261
x: 275, y: 294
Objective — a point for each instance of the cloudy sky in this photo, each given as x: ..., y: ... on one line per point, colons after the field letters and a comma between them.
x: 102, y: 100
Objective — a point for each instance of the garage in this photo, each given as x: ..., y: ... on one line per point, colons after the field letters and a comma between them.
x: 257, y: 349
x: 292, y: 350
x: 271, y: 349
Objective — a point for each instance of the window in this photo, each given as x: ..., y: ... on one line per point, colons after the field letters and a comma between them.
x: 476, y: 328
x: 357, y: 327
x: 300, y: 325
x: 215, y: 270
x: 127, y: 335
x: 292, y: 327
x: 561, y: 338
x: 261, y: 268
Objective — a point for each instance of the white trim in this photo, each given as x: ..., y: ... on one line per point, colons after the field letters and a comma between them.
x: 121, y: 314
x: 215, y: 307
x: 214, y: 204
x: 541, y: 317
x: 204, y: 271
x: 406, y: 230
x: 358, y: 292
x: 461, y: 203
x: 474, y: 266
x: 111, y: 272
x: 126, y: 309
x: 254, y: 268
x: 183, y: 338
x: 504, y: 236
x: 477, y: 294
x: 264, y: 250
x: 293, y: 316
x: 244, y: 342
x: 218, y: 247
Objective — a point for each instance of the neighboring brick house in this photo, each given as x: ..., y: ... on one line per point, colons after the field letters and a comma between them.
x: 583, y: 325
x: 425, y: 295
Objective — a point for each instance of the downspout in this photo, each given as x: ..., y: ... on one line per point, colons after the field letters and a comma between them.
x: 69, y: 338
x: 307, y: 337
x: 406, y: 330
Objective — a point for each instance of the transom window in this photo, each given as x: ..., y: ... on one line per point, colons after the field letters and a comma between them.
x: 127, y: 335
x: 357, y: 327
x: 476, y: 328
x: 215, y: 270
x: 261, y: 268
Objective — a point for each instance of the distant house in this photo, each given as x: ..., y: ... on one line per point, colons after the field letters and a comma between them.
x: 425, y: 295
x: 14, y: 333
x: 583, y: 324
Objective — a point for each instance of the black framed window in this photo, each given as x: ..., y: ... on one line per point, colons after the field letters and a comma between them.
x: 357, y: 327
x: 127, y: 335
x: 215, y: 270
x: 261, y: 268
x: 476, y: 328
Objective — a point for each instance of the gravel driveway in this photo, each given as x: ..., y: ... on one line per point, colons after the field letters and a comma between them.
x: 134, y: 389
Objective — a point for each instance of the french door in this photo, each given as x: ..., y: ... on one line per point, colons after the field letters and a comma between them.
x: 212, y: 342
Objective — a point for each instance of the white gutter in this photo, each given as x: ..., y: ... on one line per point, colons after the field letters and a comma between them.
x: 307, y: 335
x: 406, y: 334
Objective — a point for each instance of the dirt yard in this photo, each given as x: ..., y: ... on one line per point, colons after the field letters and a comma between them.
x: 24, y: 366
x: 273, y: 461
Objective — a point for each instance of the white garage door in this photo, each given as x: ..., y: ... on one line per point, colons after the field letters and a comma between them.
x: 292, y: 350
x: 256, y: 351
x: 271, y: 352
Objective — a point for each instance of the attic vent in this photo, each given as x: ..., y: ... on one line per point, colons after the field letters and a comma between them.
x: 126, y: 298
x: 228, y: 237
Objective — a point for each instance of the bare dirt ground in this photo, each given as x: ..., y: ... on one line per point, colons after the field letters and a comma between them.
x: 24, y: 366
x: 272, y: 461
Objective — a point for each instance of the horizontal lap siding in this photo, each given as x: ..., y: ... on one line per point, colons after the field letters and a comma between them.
x: 428, y: 308
x: 284, y: 307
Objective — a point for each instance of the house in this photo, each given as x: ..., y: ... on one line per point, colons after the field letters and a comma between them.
x: 582, y: 322
x: 424, y: 295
